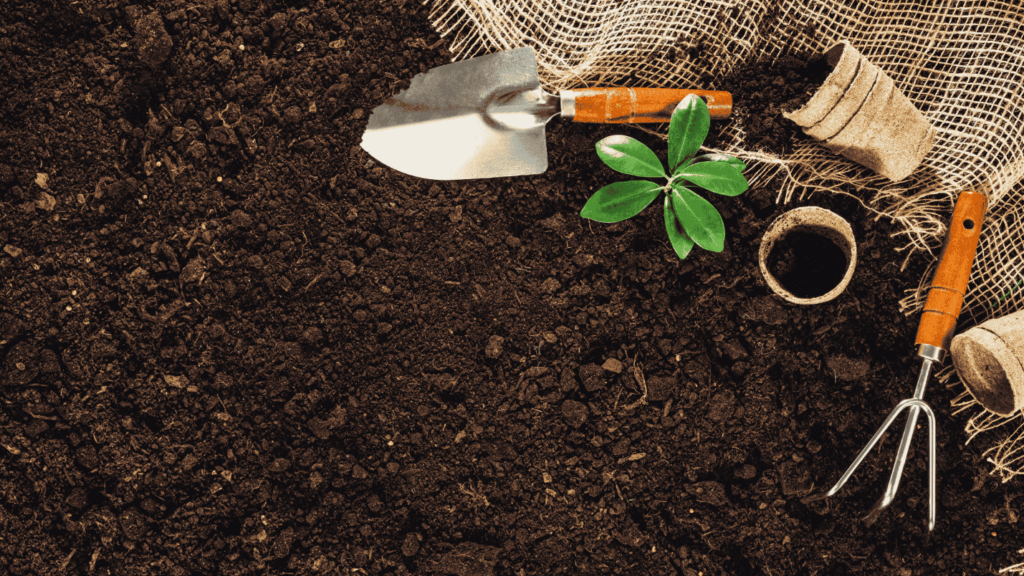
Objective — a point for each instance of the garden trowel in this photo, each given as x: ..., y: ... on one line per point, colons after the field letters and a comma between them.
x: 485, y: 117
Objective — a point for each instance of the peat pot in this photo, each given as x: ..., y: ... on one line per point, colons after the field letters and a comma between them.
x: 989, y: 359
x: 860, y: 113
x: 808, y: 254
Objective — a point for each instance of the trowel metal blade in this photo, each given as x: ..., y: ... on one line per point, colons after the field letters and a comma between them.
x: 438, y: 128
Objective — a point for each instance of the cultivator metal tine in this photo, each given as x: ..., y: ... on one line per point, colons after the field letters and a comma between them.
x: 915, y: 405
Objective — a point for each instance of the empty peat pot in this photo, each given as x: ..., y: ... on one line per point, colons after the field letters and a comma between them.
x: 989, y: 359
x: 808, y: 254
x: 860, y: 113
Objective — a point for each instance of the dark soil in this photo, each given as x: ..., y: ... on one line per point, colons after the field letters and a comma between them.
x: 231, y: 343
x: 763, y: 89
x: 806, y: 264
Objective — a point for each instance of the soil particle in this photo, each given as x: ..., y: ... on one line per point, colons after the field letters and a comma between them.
x: 550, y: 286
x: 293, y: 115
x: 20, y: 365
x: 153, y: 43
x: 133, y: 524
x: 767, y: 309
x: 36, y: 427
x: 347, y: 268
x: 697, y: 371
x: 535, y: 372
x: 455, y: 216
x: 411, y: 544
x: 733, y: 350
x: 709, y: 492
x: 86, y: 456
x: 282, y: 546
x: 613, y: 365
x: 660, y: 388
x: 629, y: 534
x: 795, y: 478
x: 567, y: 382
x: 848, y: 369
x: 279, y: 465
x: 193, y: 271
x: 78, y: 498
x: 746, y: 472
x: 722, y: 406
x: 311, y: 336
x: 592, y: 377
x: 495, y: 346
x: 241, y: 219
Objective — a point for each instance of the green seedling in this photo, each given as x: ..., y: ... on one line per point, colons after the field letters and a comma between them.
x: 689, y: 218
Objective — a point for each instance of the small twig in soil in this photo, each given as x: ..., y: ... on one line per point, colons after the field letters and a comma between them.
x: 64, y: 565
x: 39, y: 416
x: 638, y: 375
x: 308, y: 286
x: 474, y: 495
x: 192, y: 240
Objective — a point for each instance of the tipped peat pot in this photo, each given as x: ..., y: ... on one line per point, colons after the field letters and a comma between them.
x: 861, y: 114
x: 989, y: 359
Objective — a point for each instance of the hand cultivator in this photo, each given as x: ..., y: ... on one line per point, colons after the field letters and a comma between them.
x: 934, y: 333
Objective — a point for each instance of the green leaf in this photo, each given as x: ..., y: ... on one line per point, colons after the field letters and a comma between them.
x: 620, y: 201
x: 687, y: 130
x: 681, y: 241
x: 700, y: 219
x: 629, y: 156
x: 718, y: 177
x: 732, y: 160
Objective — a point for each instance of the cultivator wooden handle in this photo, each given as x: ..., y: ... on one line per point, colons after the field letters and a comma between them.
x: 946, y: 293
x: 634, y: 105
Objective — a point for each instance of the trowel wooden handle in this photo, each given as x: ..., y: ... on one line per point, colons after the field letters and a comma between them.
x: 633, y: 105
x: 946, y: 293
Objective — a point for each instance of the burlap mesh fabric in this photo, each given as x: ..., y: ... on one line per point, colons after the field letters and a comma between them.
x: 960, y: 61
